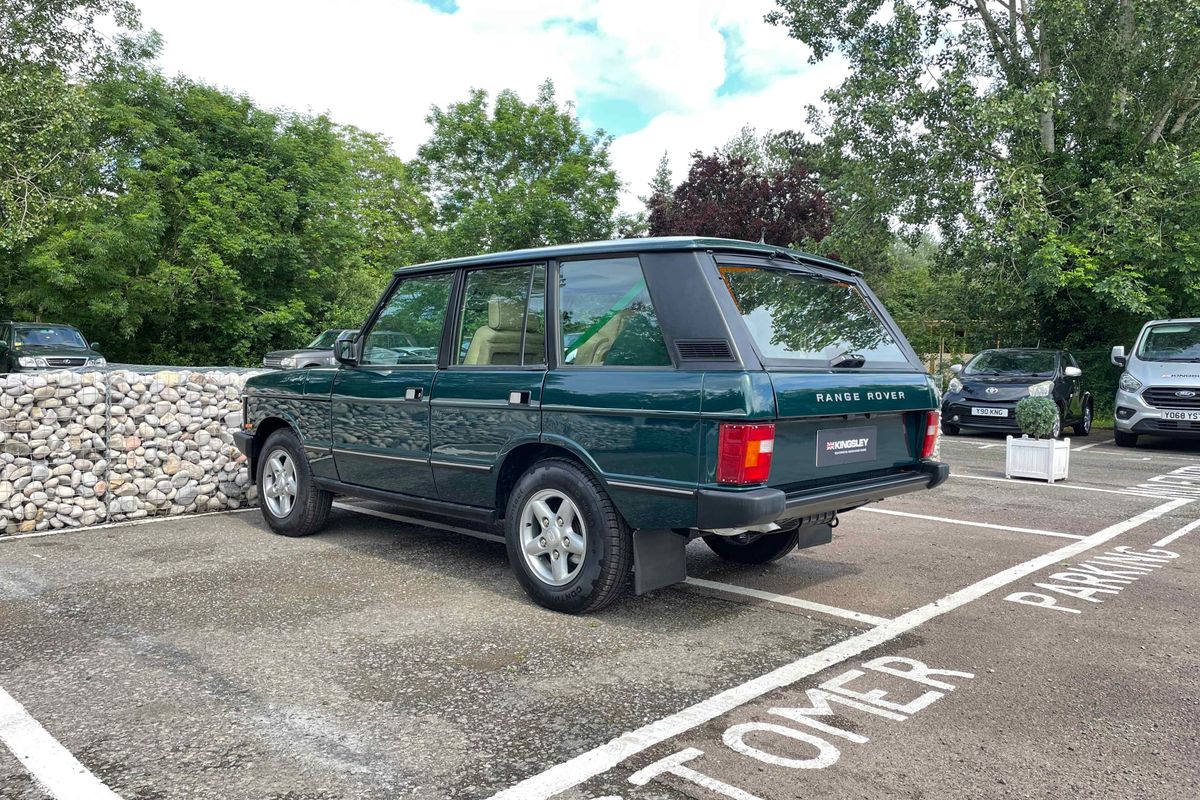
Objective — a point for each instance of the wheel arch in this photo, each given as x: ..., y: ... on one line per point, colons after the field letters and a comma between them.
x: 262, y: 432
x: 524, y: 454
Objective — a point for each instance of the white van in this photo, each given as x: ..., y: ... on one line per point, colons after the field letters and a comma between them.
x: 1159, y: 391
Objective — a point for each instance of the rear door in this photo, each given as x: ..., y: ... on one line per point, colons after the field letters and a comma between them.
x: 489, y: 397
x: 850, y: 394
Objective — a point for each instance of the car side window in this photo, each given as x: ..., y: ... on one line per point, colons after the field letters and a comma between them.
x: 504, y: 317
x: 409, y: 331
x: 607, y: 316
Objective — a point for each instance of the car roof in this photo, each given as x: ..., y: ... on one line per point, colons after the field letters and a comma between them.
x: 1023, y: 350
x: 42, y: 325
x: 650, y: 244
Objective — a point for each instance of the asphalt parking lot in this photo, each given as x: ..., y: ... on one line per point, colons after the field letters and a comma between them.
x: 990, y: 638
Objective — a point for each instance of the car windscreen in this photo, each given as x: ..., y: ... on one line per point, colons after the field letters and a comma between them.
x: 1012, y: 362
x: 325, y: 341
x: 1172, y: 341
x: 810, y: 320
x: 48, y: 337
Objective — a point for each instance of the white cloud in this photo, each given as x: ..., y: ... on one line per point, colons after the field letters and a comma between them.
x: 380, y: 64
x: 780, y: 106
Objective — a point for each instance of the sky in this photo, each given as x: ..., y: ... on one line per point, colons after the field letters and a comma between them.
x: 656, y: 75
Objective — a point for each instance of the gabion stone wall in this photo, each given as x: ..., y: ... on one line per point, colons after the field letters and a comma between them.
x: 86, y: 449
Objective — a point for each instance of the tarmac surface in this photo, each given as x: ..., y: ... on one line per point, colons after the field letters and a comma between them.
x: 990, y: 638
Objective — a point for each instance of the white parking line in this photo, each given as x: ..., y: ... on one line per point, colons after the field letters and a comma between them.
x: 587, y: 765
x: 51, y: 764
x: 785, y: 600
x: 1053, y: 485
x: 988, y: 525
x: 128, y: 523
x: 1184, y: 531
x: 1087, y: 446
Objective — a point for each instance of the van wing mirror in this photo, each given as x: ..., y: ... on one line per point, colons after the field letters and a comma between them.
x: 956, y: 368
x: 1118, y: 355
x: 1073, y: 372
x: 345, y: 349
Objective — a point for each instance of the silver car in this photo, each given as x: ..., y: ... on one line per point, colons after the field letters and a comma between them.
x: 1159, y: 391
x: 319, y: 353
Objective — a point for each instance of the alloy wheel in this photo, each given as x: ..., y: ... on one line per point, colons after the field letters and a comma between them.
x: 279, y: 483
x: 553, y: 537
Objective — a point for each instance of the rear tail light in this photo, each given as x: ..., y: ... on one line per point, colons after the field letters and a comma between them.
x: 929, y: 446
x: 744, y: 453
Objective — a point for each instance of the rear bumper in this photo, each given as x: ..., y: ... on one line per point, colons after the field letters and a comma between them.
x: 717, y: 508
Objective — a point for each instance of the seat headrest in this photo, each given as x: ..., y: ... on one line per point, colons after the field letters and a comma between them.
x: 505, y: 314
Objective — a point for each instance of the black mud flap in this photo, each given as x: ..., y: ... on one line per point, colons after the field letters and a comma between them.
x: 815, y: 535
x: 659, y: 559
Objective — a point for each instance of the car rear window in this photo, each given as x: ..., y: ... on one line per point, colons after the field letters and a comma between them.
x: 810, y: 320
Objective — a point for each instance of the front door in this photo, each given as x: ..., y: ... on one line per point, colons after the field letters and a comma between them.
x: 381, y: 406
x: 489, y: 398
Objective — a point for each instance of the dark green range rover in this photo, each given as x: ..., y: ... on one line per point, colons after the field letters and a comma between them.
x: 597, y: 405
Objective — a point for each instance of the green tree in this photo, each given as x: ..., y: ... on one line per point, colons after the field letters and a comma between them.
x: 212, y: 231
x: 1051, y: 143
x: 48, y: 49
x: 515, y: 175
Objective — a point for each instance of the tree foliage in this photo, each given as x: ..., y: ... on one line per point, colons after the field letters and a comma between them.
x: 1051, y: 143
x: 47, y: 48
x: 512, y: 174
x: 742, y: 192
x: 211, y: 231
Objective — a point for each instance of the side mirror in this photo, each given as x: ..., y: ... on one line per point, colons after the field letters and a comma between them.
x: 95, y: 346
x: 1118, y: 355
x: 345, y: 350
x: 3, y: 347
x: 956, y: 368
x: 1073, y: 372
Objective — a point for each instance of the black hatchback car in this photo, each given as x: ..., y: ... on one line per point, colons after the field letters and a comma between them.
x: 984, y: 393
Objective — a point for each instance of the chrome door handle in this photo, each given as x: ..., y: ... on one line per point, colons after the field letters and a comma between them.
x: 516, y: 398
x: 413, y: 393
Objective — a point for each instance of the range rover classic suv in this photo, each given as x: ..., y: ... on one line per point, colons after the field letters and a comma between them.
x: 598, y: 405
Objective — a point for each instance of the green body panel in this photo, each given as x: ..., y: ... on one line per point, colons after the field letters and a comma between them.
x: 635, y: 425
x: 291, y: 396
x: 807, y: 394
x: 473, y: 423
x: 380, y: 439
x: 808, y: 403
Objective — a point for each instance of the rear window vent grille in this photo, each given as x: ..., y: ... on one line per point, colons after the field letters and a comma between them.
x: 704, y: 350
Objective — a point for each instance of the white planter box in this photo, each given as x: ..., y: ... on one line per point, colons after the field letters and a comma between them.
x: 1044, y: 459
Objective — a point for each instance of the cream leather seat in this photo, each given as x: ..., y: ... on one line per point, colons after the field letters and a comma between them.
x: 499, y: 342
x: 595, y: 349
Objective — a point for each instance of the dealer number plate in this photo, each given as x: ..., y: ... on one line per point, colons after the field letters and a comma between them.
x: 1186, y: 416
x: 989, y: 412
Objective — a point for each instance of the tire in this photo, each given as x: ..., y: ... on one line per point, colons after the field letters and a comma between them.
x: 1084, y: 426
x: 761, y: 550
x: 587, y: 575
x: 1058, y: 426
x: 308, y: 509
x: 1125, y: 439
x: 950, y: 429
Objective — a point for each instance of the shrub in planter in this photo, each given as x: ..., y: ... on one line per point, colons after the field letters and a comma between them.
x: 1037, y: 416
